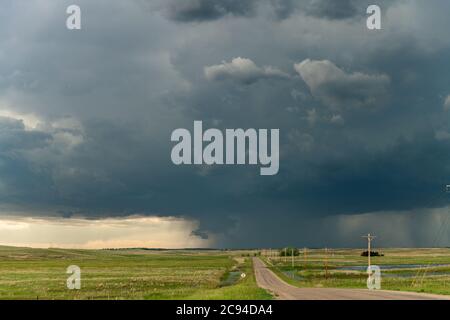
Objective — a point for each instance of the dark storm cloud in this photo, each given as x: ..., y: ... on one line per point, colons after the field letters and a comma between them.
x: 14, y: 137
x: 326, y: 9
x: 206, y: 10
x: 19, y: 180
x: 86, y: 116
x: 332, y: 9
x: 379, y: 181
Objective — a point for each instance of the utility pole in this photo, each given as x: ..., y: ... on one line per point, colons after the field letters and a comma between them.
x: 304, y: 257
x: 292, y: 256
x: 369, y: 238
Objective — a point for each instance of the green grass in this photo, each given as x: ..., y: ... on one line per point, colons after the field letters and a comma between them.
x: 311, y: 272
x: 243, y: 289
x: 145, y: 274
x: 121, y: 274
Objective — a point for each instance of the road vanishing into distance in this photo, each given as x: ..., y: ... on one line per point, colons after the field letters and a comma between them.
x: 268, y: 280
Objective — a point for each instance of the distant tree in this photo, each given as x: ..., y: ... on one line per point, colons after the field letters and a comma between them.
x: 372, y: 254
x: 288, y: 252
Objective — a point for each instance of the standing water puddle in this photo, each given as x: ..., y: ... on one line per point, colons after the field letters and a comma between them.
x: 292, y: 274
x: 392, y: 267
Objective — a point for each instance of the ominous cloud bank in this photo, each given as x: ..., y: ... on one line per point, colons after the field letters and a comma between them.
x: 204, y: 10
x: 208, y: 10
x: 86, y: 117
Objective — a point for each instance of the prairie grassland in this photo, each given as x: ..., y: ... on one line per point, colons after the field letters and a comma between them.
x: 243, y: 289
x: 124, y: 274
x: 419, y: 270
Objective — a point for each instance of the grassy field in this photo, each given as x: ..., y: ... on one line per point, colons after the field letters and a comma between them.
x: 147, y: 274
x: 420, y: 270
x: 126, y: 274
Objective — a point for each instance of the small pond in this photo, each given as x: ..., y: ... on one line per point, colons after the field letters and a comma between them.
x: 392, y: 267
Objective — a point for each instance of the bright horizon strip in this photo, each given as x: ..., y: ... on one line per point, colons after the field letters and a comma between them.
x: 81, y: 233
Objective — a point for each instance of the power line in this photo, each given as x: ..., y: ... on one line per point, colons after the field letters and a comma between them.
x: 369, y: 238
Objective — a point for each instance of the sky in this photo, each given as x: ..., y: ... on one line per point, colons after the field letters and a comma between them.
x: 86, y: 118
